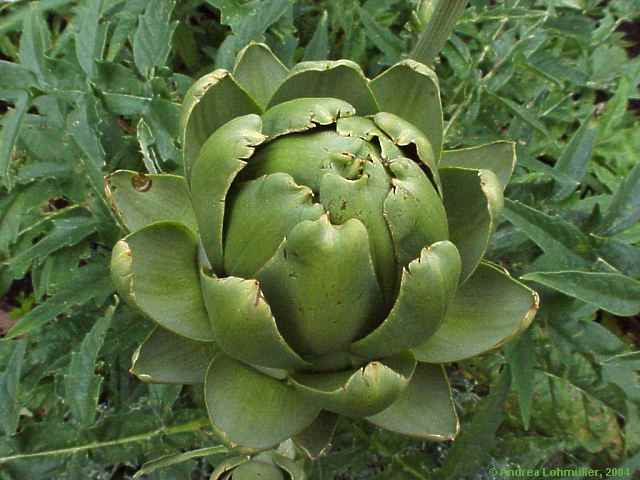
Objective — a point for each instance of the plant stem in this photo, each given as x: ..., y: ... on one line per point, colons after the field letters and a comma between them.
x: 438, y: 30
x: 174, y: 459
x: 173, y: 430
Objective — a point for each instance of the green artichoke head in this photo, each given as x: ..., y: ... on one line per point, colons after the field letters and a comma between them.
x: 321, y: 255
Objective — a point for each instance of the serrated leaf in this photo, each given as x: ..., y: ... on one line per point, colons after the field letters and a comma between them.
x: 618, y: 369
x: 65, y: 232
x: 15, y: 76
x: 564, y: 409
x: 116, y: 78
x: 8, y: 136
x: 381, y: 37
x: 126, y: 105
x: 522, y: 358
x: 90, y: 283
x: 457, y: 61
x: 625, y: 257
x: 573, y: 24
x: 81, y: 125
x: 624, y: 209
x: 162, y: 118
x: 10, y: 389
x: 125, y: 25
x: 590, y: 338
x: 90, y: 36
x: 524, y: 114
x: 615, y: 109
x: 597, y: 362
x: 81, y: 384
x: 612, y: 292
x: 543, y: 73
x: 41, y: 171
x: 560, y: 239
x: 57, y: 268
x: 537, y: 166
x: 575, y: 157
x: 607, y: 62
x: 232, y: 12
x: 33, y: 42
x: 245, y: 26
x: 14, y: 209
x: 146, y: 141
x: 597, y: 371
x: 557, y: 68
x: 152, y: 39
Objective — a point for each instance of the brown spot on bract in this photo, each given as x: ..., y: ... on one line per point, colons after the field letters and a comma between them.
x: 141, y: 182
x: 259, y: 296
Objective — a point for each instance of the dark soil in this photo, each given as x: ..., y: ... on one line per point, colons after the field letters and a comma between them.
x: 631, y: 32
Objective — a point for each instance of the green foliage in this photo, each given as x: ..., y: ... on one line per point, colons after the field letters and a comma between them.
x: 152, y: 38
x: 90, y: 87
x: 10, y: 385
x: 471, y: 450
x: 81, y: 385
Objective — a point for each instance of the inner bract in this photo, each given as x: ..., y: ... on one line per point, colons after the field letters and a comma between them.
x: 301, y: 203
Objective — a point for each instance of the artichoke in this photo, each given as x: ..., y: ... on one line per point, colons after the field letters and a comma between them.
x: 321, y: 255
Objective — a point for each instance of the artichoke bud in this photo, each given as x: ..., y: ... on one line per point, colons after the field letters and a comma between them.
x: 323, y: 244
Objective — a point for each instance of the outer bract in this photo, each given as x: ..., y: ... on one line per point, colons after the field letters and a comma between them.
x: 264, y: 466
x: 321, y: 256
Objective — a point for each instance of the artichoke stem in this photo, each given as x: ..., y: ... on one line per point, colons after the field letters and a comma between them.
x: 438, y: 30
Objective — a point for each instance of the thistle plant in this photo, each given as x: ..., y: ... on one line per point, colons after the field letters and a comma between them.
x: 321, y: 255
